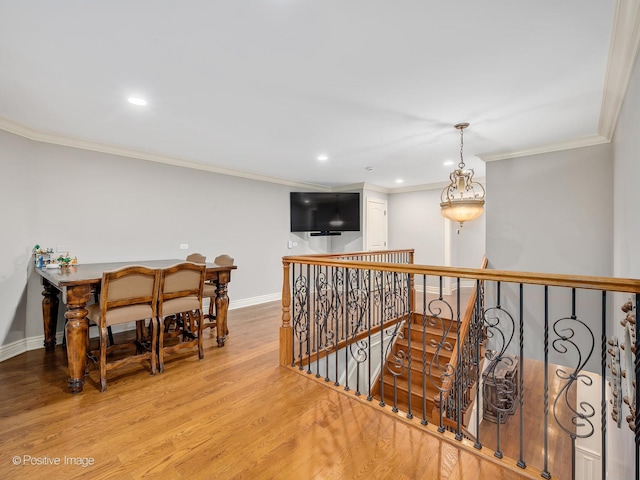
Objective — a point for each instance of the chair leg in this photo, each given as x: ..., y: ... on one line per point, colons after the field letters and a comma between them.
x: 154, y: 340
x: 200, y: 316
x: 161, y: 331
x: 103, y: 359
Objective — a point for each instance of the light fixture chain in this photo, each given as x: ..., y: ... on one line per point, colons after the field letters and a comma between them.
x: 461, y: 164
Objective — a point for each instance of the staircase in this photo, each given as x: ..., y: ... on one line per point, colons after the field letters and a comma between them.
x: 421, y: 361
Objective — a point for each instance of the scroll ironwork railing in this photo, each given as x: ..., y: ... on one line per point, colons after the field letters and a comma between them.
x: 511, y: 365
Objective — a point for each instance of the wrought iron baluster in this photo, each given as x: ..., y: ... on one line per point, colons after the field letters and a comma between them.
x: 369, y: 313
x: 562, y: 344
x: 308, y: 326
x: 477, y: 319
x: 301, y: 316
x: 320, y: 317
x: 501, y: 329
x: 545, y: 470
x: 408, y: 321
x: 381, y: 299
x: 295, y: 310
x: 458, y: 366
x: 637, y: 384
x: 346, y: 342
x: 339, y: 314
x: 424, y: 350
x: 445, y: 373
x: 521, y: 463
x: 603, y: 381
x: 396, y: 364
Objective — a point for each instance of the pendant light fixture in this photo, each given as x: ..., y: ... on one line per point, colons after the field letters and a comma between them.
x: 463, y: 199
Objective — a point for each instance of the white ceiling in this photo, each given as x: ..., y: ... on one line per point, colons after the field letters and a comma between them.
x: 265, y: 86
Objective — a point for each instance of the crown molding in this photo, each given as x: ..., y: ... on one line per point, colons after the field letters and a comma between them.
x: 623, y: 52
x: 554, y: 147
x: 362, y: 186
x: 75, y: 142
x: 624, y: 48
x: 427, y: 186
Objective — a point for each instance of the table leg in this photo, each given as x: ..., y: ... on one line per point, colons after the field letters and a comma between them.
x: 76, y: 332
x: 222, y: 305
x: 50, y: 304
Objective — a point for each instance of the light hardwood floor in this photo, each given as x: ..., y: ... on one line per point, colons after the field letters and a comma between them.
x: 234, y: 415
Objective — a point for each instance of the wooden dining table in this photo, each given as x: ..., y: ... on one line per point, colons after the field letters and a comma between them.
x: 78, y: 284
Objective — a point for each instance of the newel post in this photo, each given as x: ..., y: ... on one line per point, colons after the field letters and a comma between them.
x: 286, y: 333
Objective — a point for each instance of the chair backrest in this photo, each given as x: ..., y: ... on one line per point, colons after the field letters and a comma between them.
x: 223, y: 260
x: 131, y: 286
x: 180, y: 281
x: 196, y: 258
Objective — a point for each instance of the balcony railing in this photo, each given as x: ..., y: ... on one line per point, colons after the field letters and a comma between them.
x: 530, y: 369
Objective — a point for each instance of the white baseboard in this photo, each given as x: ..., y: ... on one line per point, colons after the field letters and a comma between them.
x: 248, y: 302
x: 33, y: 343
x: 15, y: 348
x: 436, y: 290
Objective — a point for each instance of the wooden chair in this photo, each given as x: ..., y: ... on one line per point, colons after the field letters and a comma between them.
x: 179, y: 306
x: 128, y: 294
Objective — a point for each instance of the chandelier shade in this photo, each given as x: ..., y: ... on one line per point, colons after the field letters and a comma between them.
x: 463, y: 199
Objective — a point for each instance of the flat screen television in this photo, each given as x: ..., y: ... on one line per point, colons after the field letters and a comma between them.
x: 325, y: 213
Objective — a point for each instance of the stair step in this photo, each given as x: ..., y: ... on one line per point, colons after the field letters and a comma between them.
x: 431, y: 333
x: 417, y: 350
x: 416, y: 378
x: 435, y: 322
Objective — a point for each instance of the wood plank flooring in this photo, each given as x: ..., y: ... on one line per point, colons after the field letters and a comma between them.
x: 560, y: 448
x: 234, y: 415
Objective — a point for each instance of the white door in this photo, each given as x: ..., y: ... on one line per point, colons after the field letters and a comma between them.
x: 376, y: 224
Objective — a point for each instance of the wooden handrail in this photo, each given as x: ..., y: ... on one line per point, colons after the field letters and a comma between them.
x: 357, y: 254
x: 627, y: 285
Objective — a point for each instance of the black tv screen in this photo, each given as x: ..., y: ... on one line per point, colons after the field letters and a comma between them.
x: 325, y: 212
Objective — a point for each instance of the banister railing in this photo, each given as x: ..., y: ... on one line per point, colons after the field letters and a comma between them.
x: 531, y: 338
x: 470, y: 338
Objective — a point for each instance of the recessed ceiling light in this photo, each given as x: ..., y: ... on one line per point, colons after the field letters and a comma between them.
x: 137, y: 101
x: 322, y: 158
x: 399, y: 180
x: 448, y: 163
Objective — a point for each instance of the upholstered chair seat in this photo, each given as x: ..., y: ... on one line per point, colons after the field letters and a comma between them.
x: 120, y: 315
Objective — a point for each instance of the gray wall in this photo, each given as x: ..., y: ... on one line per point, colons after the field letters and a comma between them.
x: 17, y: 179
x: 105, y: 207
x: 415, y: 222
x: 626, y: 251
x: 552, y: 213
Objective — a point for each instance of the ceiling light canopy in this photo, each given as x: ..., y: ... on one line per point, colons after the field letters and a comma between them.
x: 463, y: 199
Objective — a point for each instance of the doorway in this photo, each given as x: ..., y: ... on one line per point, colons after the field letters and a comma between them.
x: 376, y: 224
